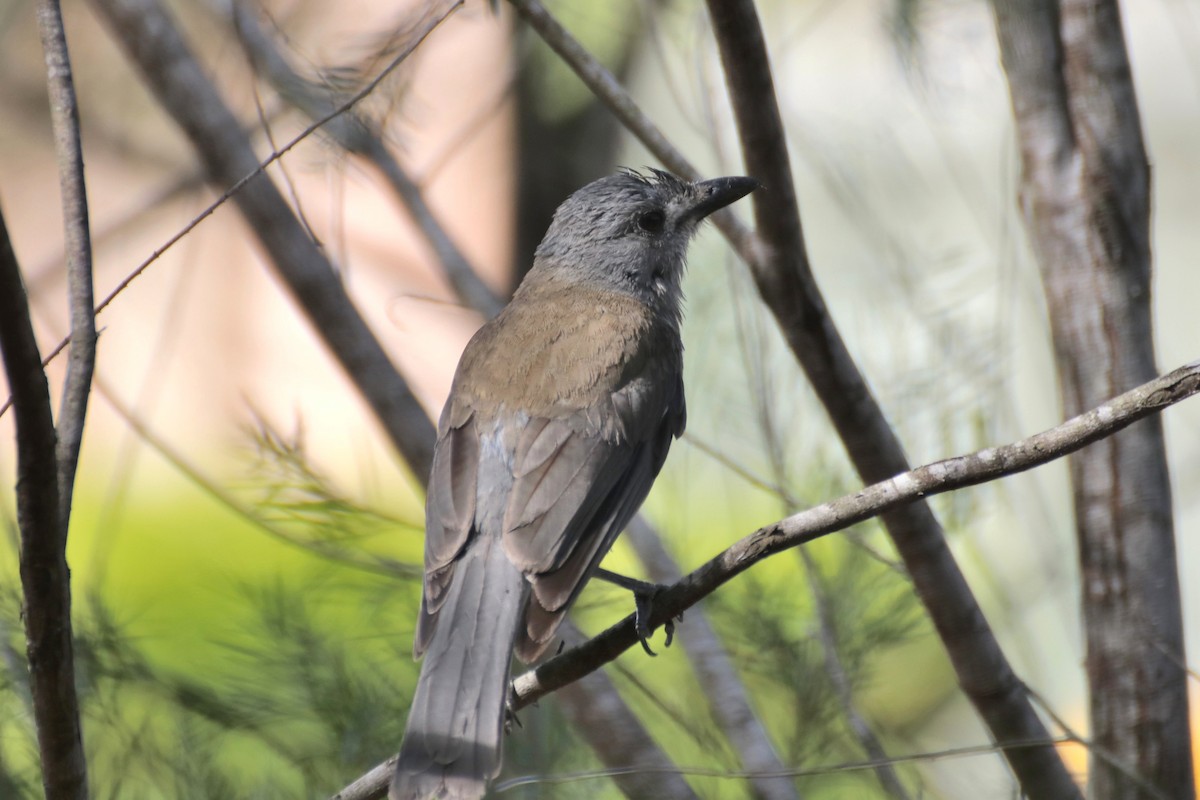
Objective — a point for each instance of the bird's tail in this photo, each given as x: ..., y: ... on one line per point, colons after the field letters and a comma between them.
x: 451, y: 747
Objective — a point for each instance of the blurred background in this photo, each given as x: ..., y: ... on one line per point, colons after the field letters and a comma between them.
x: 245, y: 544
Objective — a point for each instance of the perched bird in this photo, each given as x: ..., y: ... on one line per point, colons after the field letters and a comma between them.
x: 558, y: 421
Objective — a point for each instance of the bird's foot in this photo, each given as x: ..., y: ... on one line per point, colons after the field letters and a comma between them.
x: 511, y: 720
x: 644, y: 593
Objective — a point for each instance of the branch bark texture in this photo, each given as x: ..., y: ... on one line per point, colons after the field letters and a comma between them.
x: 1085, y: 194
x: 154, y: 44
x: 45, y: 578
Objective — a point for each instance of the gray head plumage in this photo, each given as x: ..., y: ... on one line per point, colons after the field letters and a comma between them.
x: 630, y: 231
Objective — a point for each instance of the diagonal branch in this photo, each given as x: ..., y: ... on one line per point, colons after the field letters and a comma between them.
x: 45, y: 579
x: 356, y: 134
x: 895, y: 492
x: 156, y: 47
x: 785, y: 281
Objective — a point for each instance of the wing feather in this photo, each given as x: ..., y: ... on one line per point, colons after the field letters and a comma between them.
x: 577, y: 500
x: 449, y: 516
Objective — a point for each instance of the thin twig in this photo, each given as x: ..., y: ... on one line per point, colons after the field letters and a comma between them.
x: 799, y: 772
x: 356, y: 134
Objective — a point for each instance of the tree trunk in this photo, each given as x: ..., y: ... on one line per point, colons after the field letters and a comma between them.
x: 1085, y: 194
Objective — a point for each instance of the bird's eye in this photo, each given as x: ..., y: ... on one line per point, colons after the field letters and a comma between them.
x: 652, y: 221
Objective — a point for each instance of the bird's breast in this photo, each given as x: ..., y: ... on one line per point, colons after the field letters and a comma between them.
x: 554, y: 353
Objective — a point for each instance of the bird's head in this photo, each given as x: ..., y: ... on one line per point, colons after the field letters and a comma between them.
x: 631, y: 231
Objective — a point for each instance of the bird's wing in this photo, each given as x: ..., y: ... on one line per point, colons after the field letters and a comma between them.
x: 449, y: 513
x: 577, y: 480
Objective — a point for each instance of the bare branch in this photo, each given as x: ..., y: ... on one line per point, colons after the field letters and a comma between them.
x: 905, y: 488
x: 356, y: 134
x: 152, y: 41
x: 64, y: 117
x: 45, y: 578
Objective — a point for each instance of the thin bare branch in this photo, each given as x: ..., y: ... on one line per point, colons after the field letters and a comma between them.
x: 153, y: 42
x: 45, y: 579
x: 800, y: 772
x: 356, y: 134
x: 64, y: 117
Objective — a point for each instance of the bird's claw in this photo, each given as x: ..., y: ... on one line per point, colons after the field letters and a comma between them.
x: 643, y: 601
x: 643, y: 604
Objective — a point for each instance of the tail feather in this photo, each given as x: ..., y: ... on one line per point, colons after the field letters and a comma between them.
x: 452, y: 742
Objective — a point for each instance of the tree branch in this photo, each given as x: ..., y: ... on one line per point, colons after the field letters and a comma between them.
x: 64, y: 117
x: 898, y: 491
x: 156, y: 47
x: 45, y: 579
x: 786, y: 285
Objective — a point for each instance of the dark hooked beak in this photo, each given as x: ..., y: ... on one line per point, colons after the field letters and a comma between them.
x: 718, y: 193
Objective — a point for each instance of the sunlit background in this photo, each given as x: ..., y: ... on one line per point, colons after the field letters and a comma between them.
x: 242, y: 533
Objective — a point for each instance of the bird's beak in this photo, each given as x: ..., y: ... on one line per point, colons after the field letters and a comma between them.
x: 718, y: 193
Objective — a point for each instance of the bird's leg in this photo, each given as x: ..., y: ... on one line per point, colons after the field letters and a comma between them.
x: 644, y: 593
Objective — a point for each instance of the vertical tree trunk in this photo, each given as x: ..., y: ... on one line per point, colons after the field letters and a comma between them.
x: 1085, y: 194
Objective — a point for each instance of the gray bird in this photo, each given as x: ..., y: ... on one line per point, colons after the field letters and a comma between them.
x: 559, y: 419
